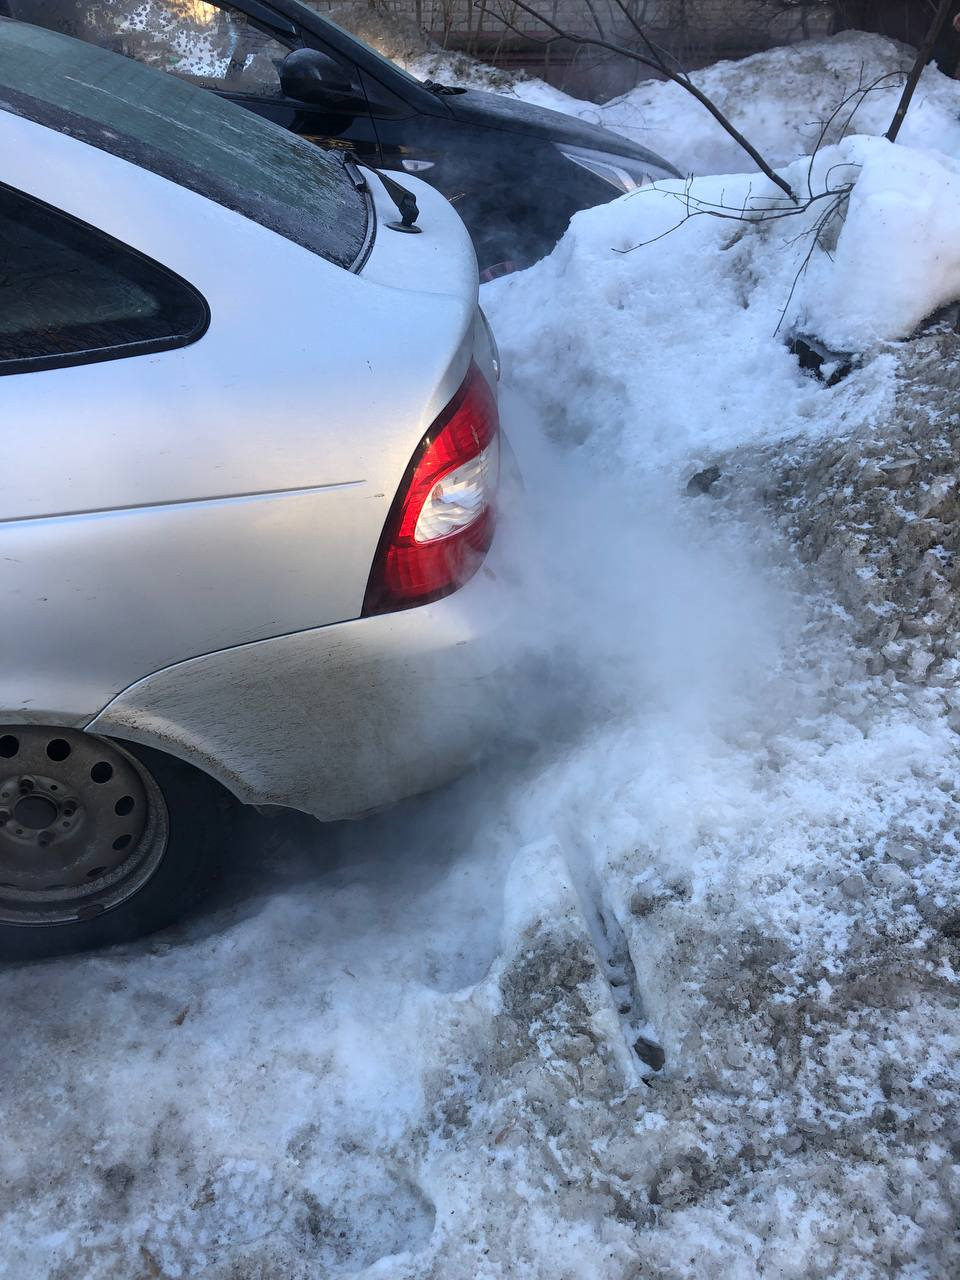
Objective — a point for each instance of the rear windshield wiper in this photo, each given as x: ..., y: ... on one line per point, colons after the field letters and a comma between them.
x: 405, y: 200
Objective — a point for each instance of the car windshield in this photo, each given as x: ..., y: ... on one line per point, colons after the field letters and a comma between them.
x: 192, y: 137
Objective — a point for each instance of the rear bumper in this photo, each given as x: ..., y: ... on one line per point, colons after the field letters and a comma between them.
x: 340, y: 720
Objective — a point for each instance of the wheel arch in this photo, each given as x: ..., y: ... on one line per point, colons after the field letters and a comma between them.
x: 160, y: 737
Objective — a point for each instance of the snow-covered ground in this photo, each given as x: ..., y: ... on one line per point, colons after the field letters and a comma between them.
x: 425, y: 1047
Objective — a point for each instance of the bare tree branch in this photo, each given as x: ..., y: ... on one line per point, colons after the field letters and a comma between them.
x: 653, y: 60
x: 656, y: 51
x: 596, y: 19
x: 923, y: 56
x: 857, y: 96
x: 822, y: 225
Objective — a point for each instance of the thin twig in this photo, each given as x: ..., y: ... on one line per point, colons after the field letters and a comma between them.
x: 859, y: 94
x: 660, y: 52
x: 815, y: 239
x: 595, y: 16
x: 696, y: 207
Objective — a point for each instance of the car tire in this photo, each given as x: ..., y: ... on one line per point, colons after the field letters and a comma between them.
x: 173, y: 824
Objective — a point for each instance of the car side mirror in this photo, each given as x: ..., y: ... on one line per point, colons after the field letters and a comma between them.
x: 310, y: 76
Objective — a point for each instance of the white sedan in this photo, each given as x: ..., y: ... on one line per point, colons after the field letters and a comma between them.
x: 251, y: 448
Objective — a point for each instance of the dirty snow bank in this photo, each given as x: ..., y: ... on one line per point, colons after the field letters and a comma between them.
x: 424, y: 1047
x: 879, y: 515
x: 783, y: 871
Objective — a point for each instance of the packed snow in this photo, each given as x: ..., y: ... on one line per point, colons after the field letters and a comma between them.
x: 670, y: 988
x: 897, y: 255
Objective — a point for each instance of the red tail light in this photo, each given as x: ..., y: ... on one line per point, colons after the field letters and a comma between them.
x: 441, y: 523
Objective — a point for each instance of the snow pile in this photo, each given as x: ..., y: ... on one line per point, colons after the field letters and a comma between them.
x: 779, y: 99
x: 897, y: 258
x: 688, y: 303
x: 784, y: 873
x: 683, y: 359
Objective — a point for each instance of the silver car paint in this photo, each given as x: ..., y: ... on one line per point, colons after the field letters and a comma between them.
x: 192, y: 445
x: 340, y: 720
x: 164, y: 507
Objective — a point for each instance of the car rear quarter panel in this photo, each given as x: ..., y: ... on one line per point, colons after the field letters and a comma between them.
x: 340, y: 720
x: 157, y: 508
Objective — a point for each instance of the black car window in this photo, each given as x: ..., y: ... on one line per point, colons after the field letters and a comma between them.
x: 196, y: 139
x: 70, y: 294
x: 209, y: 44
x: 395, y: 70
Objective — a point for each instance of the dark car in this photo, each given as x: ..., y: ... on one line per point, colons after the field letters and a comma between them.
x: 516, y: 173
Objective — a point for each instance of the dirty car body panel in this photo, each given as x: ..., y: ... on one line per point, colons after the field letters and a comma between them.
x: 186, y: 535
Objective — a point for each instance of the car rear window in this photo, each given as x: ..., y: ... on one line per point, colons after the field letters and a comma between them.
x: 185, y: 134
x: 69, y: 294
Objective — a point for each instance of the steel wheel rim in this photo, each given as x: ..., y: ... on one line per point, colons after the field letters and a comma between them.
x: 83, y: 826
